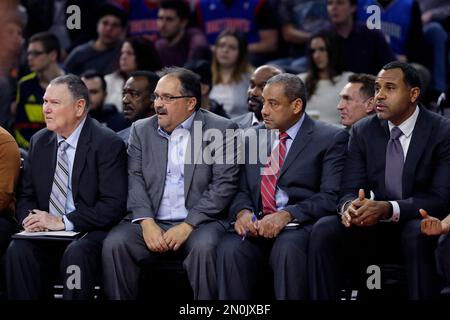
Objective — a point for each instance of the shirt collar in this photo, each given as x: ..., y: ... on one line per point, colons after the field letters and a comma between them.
x: 186, y: 124
x: 292, y: 131
x: 72, y: 140
x: 407, y: 126
x: 255, y: 120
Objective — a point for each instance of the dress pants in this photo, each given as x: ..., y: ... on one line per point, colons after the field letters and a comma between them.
x: 125, y: 253
x: 32, y: 267
x: 239, y: 263
x: 443, y: 257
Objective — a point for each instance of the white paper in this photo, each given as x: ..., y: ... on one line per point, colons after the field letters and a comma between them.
x: 49, y: 233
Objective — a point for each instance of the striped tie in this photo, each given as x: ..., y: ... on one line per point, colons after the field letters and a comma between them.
x: 58, y: 197
x: 272, y: 171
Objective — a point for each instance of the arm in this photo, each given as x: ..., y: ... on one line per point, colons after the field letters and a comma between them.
x: 267, y: 43
x: 9, y: 173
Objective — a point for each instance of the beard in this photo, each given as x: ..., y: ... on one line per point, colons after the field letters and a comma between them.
x: 255, y: 105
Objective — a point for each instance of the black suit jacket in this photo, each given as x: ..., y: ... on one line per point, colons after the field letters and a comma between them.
x: 426, y: 172
x: 99, y: 177
x: 310, y: 175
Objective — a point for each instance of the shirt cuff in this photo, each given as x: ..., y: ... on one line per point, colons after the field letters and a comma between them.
x: 68, y: 224
x: 139, y: 219
x: 395, y: 211
x: 344, y: 207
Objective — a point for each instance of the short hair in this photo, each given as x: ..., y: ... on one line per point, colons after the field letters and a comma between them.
x: 110, y: 9
x: 190, y: 82
x: 146, y: 56
x: 181, y: 7
x: 75, y: 85
x: 293, y: 86
x: 151, y: 77
x: 410, y: 74
x: 49, y: 41
x: 367, y: 81
x: 92, y: 74
x: 203, y: 69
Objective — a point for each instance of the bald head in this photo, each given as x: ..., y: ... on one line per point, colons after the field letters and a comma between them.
x: 257, y: 83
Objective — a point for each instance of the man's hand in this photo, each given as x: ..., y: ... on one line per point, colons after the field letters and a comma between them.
x: 42, y: 221
x: 432, y: 226
x: 244, y: 223
x: 272, y: 224
x: 153, y: 236
x: 351, y: 211
x: 177, y: 235
x: 371, y: 212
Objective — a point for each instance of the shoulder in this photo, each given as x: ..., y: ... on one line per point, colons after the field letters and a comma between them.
x: 325, y: 130
x: 101, y: 135
x: 213, y: 120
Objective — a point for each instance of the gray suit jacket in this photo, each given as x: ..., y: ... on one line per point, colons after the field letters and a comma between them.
x: 244, y: 121
x: 208, y: 188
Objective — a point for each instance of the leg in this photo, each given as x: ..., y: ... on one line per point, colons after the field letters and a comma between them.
x: 200, y: 262
x: 123, y: 249
x: 84, y: 254
x: 238, y: 263
x: 436, y: 37
x: 419, y: 262
x: 7, y: 229
x: 443, y: 257
x: 288, y: 260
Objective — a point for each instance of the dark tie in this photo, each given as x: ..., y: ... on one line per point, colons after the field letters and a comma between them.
x: 270, y: 176
x: 58, y: 197
x: 394, y: 166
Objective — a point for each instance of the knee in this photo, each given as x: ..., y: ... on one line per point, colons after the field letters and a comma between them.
x: 18, y: 249
x: 288, y: 251
x: 115, y: 241
x: 411, y: 236
x: 325, y: 232
x: 443, y: 253
x: 227, y: 247
x: 434, y: 31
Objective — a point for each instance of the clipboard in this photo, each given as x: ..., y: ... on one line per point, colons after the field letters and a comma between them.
x: 50, y: 235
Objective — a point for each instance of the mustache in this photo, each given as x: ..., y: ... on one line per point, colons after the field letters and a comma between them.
x: 161, y: 111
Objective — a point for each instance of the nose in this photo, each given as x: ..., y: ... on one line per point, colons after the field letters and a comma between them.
x: 265, y: 110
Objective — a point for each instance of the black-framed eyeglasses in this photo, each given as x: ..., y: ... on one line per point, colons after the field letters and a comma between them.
x: 168, y: 98
x: 35, y: 53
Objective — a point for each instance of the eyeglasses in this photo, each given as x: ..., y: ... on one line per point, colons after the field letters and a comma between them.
x: 35, y: 53
x: 167, y: 98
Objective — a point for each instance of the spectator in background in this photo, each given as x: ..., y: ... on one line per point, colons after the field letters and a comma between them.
x: 101, y: 54
x: 364, y: 50
x: 231, y: 72
x: 178, y: 43
x: 357, y: 98
x: 136, y: 54
x: 42, y: 57
x: 104, y: 113
x: 254, y: 18
x: 325, y: 77
x: 142, y: 19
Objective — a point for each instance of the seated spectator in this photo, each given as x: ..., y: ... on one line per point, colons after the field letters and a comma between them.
x: 325, y: 78
x: 101, y: 54
x: 231, y: 72
x: 142, y: 19
x: 104, y: 113
x: 178, y: 43
x: 136, y: 54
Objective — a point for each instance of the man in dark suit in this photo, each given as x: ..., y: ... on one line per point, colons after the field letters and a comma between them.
x: 398, y: 162
x: 311, y: 157
x: 74, y: 179
x: 176, y: 196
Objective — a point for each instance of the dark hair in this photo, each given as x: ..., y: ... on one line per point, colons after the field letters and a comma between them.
x: 180, y: 6
x: 334, y: 67
x: 203, y: 69
x: 190, y: 82
x: 293, y: 86
x: 75, y: 85
x: 410, y: 74
x: 147, y: 58
x: 151, y: 77
x: 92, y: 74
x: 49, y: 41
x: 367, y: 89
x: 110, y: 9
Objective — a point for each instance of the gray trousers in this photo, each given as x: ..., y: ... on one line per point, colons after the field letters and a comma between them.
x: 125, y: 251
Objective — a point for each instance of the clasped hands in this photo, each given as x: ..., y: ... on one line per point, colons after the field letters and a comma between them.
x: 39, y: 220
x: 158, y: 240
x: 268, y: 227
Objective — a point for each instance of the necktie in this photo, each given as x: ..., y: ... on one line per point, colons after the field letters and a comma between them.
x: 272, y: 171
x: 58, y: 197
x: 394, y: 166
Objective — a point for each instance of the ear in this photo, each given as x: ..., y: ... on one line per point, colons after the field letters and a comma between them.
x: 80, y: 107
x: 192, y: 103
x: 369, y: 105
x: 54, y: 55
x: 297, y: 106
x: 414, y: 94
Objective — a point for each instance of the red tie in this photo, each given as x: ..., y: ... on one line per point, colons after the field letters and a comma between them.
x: 272, y: 171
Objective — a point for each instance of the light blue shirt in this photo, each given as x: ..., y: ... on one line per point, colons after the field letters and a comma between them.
x: 172, y: 205
x: 72, y: 141
x: 282, y: 197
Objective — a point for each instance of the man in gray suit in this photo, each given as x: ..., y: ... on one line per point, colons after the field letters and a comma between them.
x: 254, y: 96
x: 175, y: 197
x: 299, y: 184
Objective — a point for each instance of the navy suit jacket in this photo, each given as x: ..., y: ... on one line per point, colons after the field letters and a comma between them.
x: 99, y: 177
x: 426, y: 172
x: 310, y: 175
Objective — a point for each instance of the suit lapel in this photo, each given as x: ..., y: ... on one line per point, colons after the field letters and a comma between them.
x: 193, y: 152
x: 83, y: 147
x: 48, y: 157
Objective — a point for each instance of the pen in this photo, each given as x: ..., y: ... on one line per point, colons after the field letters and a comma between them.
x: 246, y: 231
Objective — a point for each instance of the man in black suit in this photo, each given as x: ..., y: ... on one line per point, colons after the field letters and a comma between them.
x: 398, y: 162
x: 75, y: 179
x: 307, y: 160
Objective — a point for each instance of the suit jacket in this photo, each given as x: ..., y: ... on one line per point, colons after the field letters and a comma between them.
x: 310, y: 174
x: 99, y: 177
x: 426, y: 172
x: 208, y: 188
x: 244, y: 121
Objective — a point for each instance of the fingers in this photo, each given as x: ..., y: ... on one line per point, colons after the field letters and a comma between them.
x: 361, y: 195
x: 423, y: 213
x: 346, y: 219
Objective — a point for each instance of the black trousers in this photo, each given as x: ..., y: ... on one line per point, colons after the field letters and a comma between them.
x: 33, y: 266
x: 336, y: 251
x: 7, y: 228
